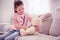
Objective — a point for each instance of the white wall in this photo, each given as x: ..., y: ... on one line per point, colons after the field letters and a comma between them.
x: 0, y: 10
x: 7, y: 7
x: 55, y: 6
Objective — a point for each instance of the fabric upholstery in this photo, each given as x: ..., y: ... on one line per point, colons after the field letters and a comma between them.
x: 36, y: 37
x: 57, y: 38
x: 55, y: 27
x: 46, y: 23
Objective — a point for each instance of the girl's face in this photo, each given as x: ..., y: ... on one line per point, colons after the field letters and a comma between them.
x: 20, y: 9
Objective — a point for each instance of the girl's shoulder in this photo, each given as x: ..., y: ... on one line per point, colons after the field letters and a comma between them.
x: 15, y: 15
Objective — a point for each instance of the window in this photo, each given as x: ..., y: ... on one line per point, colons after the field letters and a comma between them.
x: 36, y: 7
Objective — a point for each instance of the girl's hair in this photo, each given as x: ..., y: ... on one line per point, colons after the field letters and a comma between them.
x: 16, y: 4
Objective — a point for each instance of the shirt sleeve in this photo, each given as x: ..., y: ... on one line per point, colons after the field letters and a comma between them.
x: 16, y: 17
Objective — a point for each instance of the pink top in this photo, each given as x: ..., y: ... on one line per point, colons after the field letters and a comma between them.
x: 20, y: 18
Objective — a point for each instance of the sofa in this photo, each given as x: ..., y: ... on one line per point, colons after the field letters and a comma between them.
x: 48, y: 30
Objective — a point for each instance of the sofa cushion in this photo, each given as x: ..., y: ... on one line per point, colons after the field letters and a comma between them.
x: 57, y: 38
x: 46, y: 23
x: 36, y: 37
x: 55, y: 27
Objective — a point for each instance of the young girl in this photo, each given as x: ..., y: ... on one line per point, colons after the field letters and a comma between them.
x: 33, y: 28
x: 20, y: 21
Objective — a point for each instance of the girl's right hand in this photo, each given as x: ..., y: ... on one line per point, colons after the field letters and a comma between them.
x: 18, y: 26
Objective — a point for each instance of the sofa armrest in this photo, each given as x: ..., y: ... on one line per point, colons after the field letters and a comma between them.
x: 45, y: 16
x: 7, y: 28
x: 46, y: 23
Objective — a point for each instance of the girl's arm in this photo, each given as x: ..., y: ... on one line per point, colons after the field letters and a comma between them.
x: 18, y: 26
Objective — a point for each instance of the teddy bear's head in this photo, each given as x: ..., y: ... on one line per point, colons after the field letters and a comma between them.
x: 36, y: 21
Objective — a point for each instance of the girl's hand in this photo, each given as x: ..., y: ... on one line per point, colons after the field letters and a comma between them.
x: 18, y: 26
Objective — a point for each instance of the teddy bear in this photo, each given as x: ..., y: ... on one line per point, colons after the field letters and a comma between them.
x: 34, y: 27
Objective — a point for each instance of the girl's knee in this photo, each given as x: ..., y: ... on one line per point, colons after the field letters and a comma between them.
x: 8, y: 38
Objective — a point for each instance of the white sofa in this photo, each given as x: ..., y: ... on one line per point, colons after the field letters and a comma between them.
x: 47, y: 21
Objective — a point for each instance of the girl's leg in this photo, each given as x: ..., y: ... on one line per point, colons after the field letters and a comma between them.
x: 12, y: 36
x: 6, y: 34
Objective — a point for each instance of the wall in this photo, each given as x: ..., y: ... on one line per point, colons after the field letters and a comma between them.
x: 6, y: 10
x: 55, y: 6
x: 0, y: 9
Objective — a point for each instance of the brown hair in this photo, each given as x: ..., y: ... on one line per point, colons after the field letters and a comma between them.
x: 16, y: 4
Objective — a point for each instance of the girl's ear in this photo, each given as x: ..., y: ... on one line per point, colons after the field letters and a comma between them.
x: 15, y: 10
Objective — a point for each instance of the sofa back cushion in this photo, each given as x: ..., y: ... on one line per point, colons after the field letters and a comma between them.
x: 55, y: 27
x: 46, y: 23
